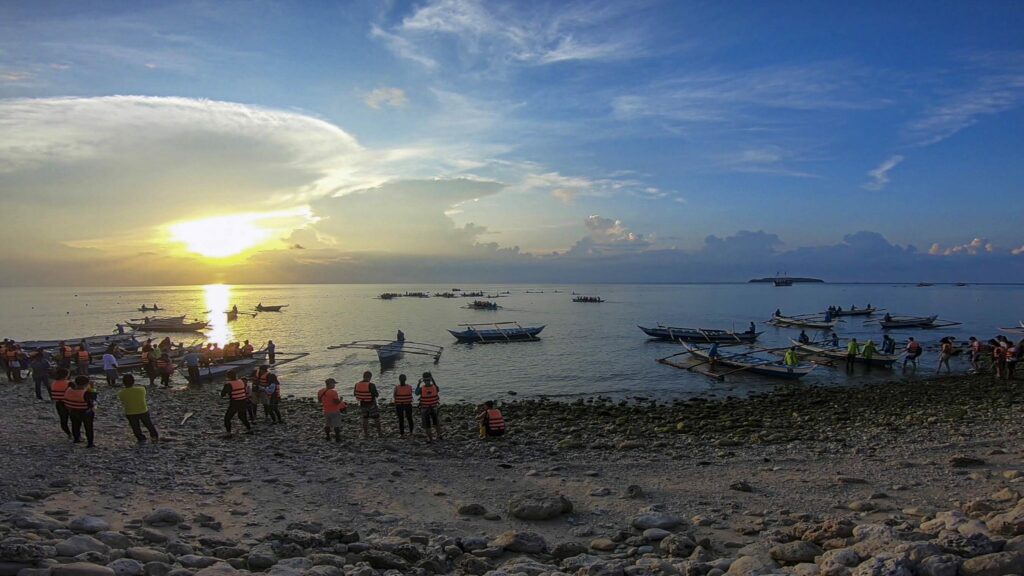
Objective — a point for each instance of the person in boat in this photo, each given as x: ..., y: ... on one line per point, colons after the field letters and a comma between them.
x: 235, y: 391
x: 400, y: 336
x: 911, y: 352
x: 853, y: 308
x: 887, y: 317
x: 492, y: 423
x: 80, y: 401
x: 271, y: 349
x: 752, y: 329
x: 247, y: 349
x: 110, y: 365
x: 791, y: 359
x: 803, y: 338
x: 58, y: 389
x: 778, y: 312
x: 366, y: 393
x: 39, y: 363
x: 259, y: 307
x: 834, y: 342
x: 402, y: 398
x: 430, y: 401
x: 216, y: 353
x: 851, y: 354
x: 136, y: 410
x: 713, y: 356
x: 828, y: 316
x: 234, y: 309
x: 333, y: 406
x: 945, y: 353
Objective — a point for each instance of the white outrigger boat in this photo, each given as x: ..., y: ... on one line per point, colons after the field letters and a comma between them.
x: 738, y: 362
x: 838, y: 353
x: 389, y: 351
x: 220, y: 370
x: 816, y: 321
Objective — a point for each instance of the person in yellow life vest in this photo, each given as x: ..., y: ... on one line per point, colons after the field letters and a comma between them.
x: 136, y: 410
x: 492, y: 423
x: 403, y: 404
x: 80, y: 401
x: 868, y: 352
x: 247, y: 349
x: 82, y: 357
x: 430, y: 401
x: 791, y: 359
x: 851, y: 354
x: 58, y: 388
x: 911, y: 352
x: 333, y: 406
x: 165, y: 368
x: 238, y: 399
x: 366, y: 393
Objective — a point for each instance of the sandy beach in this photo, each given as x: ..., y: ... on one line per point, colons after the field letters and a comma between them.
x: 738, y: 477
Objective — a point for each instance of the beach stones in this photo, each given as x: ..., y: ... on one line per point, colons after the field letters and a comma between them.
x: 795, y: 552
x: 81, y: 544
x: 525, y: 542
x: 538, y: 506
x: 88, y: 524
x: 261, y: 556
x: 81, y: 569
x: 163, y: 517
x: 126, y: 567
x: 472, y: 510
x: 656, y: 520
x: 998, y: 564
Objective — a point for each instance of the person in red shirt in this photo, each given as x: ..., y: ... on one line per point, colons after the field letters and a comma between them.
x: 333, y: 407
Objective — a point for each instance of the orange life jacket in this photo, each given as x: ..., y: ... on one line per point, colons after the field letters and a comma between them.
x: 428, y: 396
x: 163, y: 364
x: 83, y: 356
x: 145, y: 356
x: 66, y: 352
x: 998, y: 353
x: 58, y: 390
x: 74, y: 399
x: 914, y: 346
x: 238, y: 391
x: 494, y: 420
x: 403, y: 394
x: 363, y: 393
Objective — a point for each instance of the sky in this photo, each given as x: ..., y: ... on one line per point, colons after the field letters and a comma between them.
x: 641, y: 141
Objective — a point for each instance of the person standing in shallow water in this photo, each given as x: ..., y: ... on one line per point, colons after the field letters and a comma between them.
x: 403, y: 404
x: 136, y: 410
x: 238, y: 402
x: 366, y: 393
x: 271, y: 350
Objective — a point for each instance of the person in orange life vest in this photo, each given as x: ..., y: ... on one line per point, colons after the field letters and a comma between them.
x: 248, y: 349
x: 269, y: 393
x: 911, y: 352
x: 403, y: 404
x: 166, y: 369
x: 14, y: 359
x: 366, y: 393
x: 492, y: 423
x: 998, y: 358
x: 333, y: 405
x: 64, y: 354
x: 148, y: 356
x: 430, y: 400
x: 82, y: 358
x: 57, y: 390
x: 80, y: 400
x: 238, y: 400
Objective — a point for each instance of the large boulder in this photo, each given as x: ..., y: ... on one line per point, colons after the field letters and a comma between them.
x: 382, y: 560
x: 538, y: 506
x: 884, y: 565
x: 524, y: 542
x: 1009, y: 523
x: 261, y: 557
x: 939, y: 565
x: 998, y: 564
x: 81, y: 544
x: 678, y: 545
x: 37, y: 522
x: 145, y: 555
x: 838, y: 562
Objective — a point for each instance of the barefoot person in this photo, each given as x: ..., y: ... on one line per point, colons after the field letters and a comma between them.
x: 333, y: 406
x: 430, y: 401
x: 80, y: 401
x: 403, y: 404
x: 366, y: 393
x: 136, y: 410
x: 945, y: 353
x: 491, y: 420
x: 238, y: 399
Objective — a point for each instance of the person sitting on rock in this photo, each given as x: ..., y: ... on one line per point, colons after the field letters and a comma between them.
x: 492, y: 423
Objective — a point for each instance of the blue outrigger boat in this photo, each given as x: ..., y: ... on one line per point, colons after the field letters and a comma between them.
x: 514, y: 333
x: 698, y: 335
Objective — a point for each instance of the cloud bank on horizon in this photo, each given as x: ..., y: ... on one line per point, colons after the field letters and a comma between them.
x: 481, y: 141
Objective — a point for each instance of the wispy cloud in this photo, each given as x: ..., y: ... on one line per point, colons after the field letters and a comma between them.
x: 402, y: 47
x: 386, y: 97
x: 880, y: 175
x: 972, y: 248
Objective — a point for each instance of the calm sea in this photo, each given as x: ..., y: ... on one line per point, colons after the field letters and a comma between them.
x: 586, y: 349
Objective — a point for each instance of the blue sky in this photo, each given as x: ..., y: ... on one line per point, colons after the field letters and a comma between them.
x: 637, y: 128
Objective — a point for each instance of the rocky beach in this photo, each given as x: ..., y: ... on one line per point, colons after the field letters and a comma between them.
x: 902, y: 478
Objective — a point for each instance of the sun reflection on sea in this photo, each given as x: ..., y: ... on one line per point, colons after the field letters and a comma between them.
x: 218, y: 297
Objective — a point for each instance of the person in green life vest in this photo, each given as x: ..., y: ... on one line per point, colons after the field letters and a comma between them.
x: 791, y: 358
x: 136, y: 410
x: 851, y: 354
x: 868, y: 352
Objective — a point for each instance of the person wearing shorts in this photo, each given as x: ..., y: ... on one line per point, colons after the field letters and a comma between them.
x: 366, y: 393
x: 333, y: 407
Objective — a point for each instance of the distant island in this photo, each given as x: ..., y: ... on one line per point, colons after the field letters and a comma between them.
x: 794, y: 279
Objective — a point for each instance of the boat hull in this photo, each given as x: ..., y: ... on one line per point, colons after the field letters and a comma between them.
x: 923, y: 322
x: 787, y: 322
x: 880, y: 360
x: 487, y: 336
x: 770, y: 369
x: 863, y: 312
x: 698, y: 335
x: 91, y: 342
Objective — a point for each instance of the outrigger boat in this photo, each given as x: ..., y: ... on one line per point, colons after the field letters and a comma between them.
x: 892, y: 322
x: 240, y: 365
x: 838, y: 353
x: 261, y: 308
x: 169, y: 324
x: 739, y: 362
x: 388, y: 352
x: 1019, y: 329
x: 515, y: 333
x: 816, y: 321
x: 96, y: 341
x: 482, y: 305
x: 855, y: 311
x: 698, y: 335
x: 588, y: 299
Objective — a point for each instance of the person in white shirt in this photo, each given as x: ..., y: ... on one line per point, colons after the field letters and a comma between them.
x: 110, y: 365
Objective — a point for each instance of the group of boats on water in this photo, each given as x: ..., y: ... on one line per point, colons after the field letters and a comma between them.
x: 180, y: 324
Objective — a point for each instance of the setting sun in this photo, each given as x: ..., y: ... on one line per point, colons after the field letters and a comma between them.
x: 224, y: 236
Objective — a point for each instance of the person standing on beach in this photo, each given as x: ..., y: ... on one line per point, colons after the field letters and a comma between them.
x: 713, y: 356
x: 192, y: 359
x: 430, y: 400
x: 1012, y: 355
x: 64, y: 355
x: 791, y: 359
x: 83, y: 358
x: 271, y: 349
x: 333, y: 406
x: 238, y: 399
x: 851, y: 354
x: 403, y: 404
x: 110, y: 365
x: 148, y: 358
x: 165, y: 368
x: 366, y: 393
x: 80, y: 400
x: 58, y: 389
x: 136, y: 410
x: 39, y: 362
x: 868, y: 352
x: 270, y: 386
x: 14, y: 358
x: 911, y: 352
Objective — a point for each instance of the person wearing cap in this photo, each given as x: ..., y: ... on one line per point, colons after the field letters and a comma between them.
x: 333, y: 406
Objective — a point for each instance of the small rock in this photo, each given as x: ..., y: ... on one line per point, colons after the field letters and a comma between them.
x: 525, y: 542
x: 88, y: 524
x: 163, y: 517
x: 963, y: 461
x: 126, y: 567
x: 81, y: 569
x: 472, y: 510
